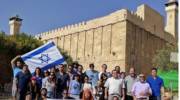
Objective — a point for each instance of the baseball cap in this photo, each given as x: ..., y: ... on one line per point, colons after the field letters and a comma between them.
x: 33, y: 78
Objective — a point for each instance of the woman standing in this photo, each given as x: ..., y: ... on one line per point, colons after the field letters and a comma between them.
x: 33, y: 90
x: 39, y: 76
x: 50, y: 85
x: 100, y: 89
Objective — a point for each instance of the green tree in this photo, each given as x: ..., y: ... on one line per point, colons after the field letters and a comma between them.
x: 162, y: 58
x: 10, y: 46
x: 67, y: 57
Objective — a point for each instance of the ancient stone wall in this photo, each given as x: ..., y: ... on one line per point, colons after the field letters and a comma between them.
x: 141, y: 46
x: 104, y: 44
x: 121, y: 38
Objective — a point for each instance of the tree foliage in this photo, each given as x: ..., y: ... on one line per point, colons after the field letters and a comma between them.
x: 10, y: 46
x: 67, y: 57
x: 162, y: 58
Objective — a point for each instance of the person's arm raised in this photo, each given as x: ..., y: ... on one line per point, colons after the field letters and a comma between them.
x: 13, y: 60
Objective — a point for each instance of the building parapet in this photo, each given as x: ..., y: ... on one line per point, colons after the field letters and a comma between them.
x: 142, y: 17
x: 119, y: 15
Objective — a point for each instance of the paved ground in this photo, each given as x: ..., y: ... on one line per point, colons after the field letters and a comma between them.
x: 175, y: 97
x: 5, y: 95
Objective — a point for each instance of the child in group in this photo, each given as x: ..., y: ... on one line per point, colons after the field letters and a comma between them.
x: 100, y: 90
x: 87, y: 95
x: 86, y: 85
x: 43, y: 94
x: 75, y: 87
x: 116, y: 97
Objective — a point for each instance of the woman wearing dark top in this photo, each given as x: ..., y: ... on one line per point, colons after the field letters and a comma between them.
x: 33, y: 89
x: 39, y: 76
x: 80, y: 73
x: 100, y: 89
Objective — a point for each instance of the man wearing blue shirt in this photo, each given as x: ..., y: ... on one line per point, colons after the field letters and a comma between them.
x: 157, y: 85
x: 75, y: 87
x: 23, y: 78
x: 16, y: 67
x: 93, y: 77
x: 92, y: 74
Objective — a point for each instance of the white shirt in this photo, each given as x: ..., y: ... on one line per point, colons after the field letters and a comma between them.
x: 87, y: 86
x: 100, y: 73
x: 50, y: 86
x: 44, y: 82
x: 139, y: 87
x: 114, y: 85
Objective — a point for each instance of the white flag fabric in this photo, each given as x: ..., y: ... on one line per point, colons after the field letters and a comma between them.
x: 45, y: 57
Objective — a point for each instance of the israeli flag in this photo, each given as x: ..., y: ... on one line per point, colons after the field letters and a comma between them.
x: 45, y: 57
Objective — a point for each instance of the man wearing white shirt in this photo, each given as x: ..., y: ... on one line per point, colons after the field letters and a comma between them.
x: 141, y: 90
x: 114, y: 86
x: 129, y: 81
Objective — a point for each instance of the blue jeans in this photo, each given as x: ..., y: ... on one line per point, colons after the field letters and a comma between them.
x: 50, y: 94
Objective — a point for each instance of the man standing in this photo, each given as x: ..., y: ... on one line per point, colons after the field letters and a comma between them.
x: 115, y: 87
x: 129, y: 81
x: 118, y: 69
x: 80, y: 73
x: 104, y: 70
x: 93, y: 77
x: 92, y: 74
x: 63, y: 80
x: 156, y: 84
x: 16, y: 67
x: 141, y: 90
x: 23, y: 78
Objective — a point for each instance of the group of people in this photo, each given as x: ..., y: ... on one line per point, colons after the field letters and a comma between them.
x: 70, y: 82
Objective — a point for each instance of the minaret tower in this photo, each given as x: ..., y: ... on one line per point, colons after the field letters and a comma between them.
x: 172, y: 18
x: 15, y: 24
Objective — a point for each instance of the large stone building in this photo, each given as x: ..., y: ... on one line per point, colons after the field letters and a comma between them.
x: 124, y: 38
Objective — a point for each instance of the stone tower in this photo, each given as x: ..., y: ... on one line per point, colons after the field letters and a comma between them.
x: 15, y: 24
x: 172, y: 18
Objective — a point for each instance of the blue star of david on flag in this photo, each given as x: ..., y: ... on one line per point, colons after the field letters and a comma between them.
x: 44, y: 58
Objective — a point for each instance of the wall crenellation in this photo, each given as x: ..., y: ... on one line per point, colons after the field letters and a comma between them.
x: 68, y: 28
x: 135, y: 15
x: 63, y: 29
x: 138, y: 17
